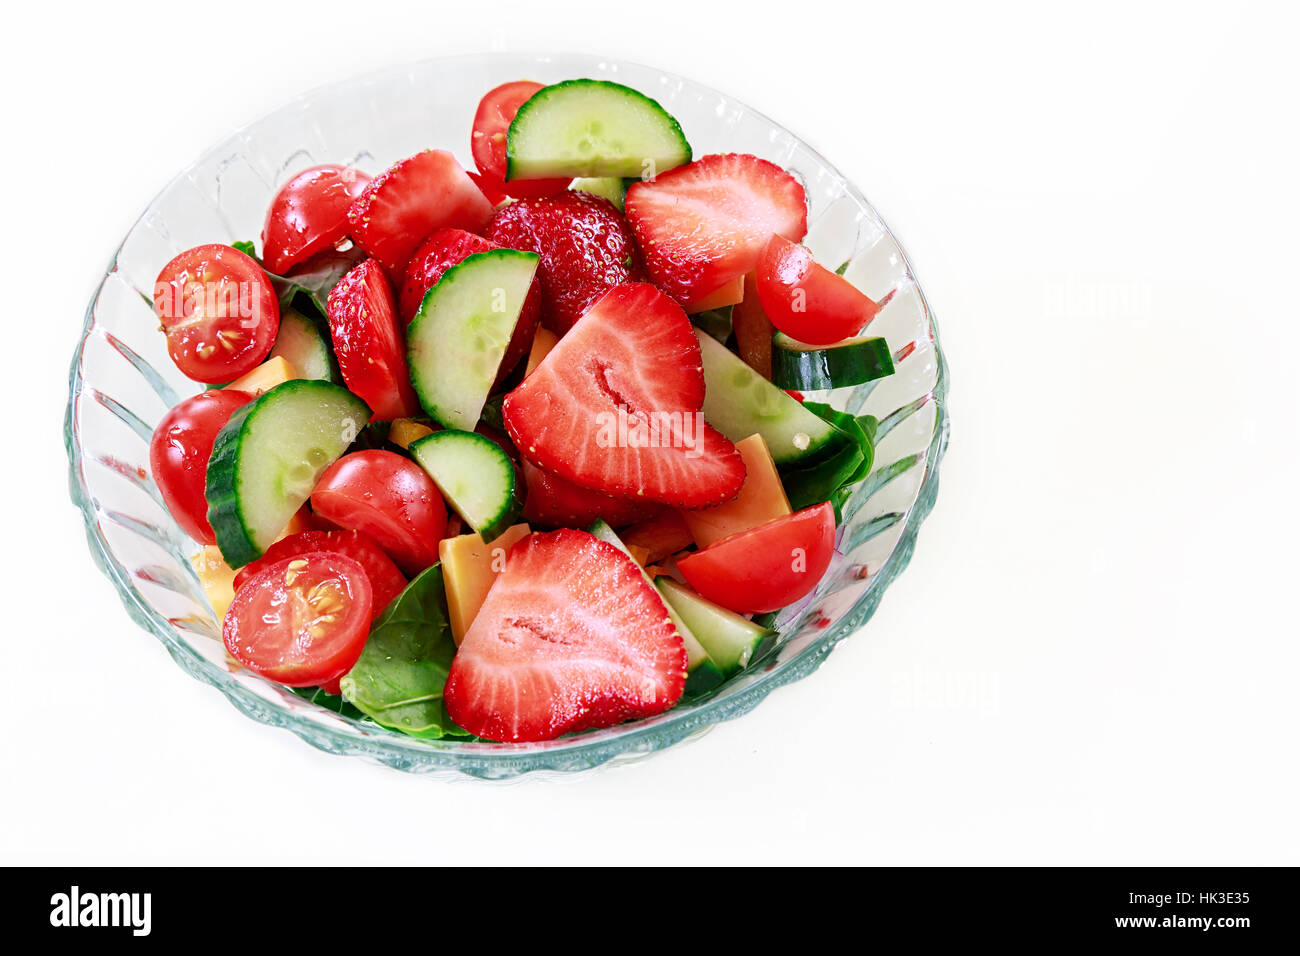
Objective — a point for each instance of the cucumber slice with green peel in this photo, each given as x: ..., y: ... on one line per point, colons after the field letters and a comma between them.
x: 593, y: 128
x: 731, y: 640
x: 269, y: 456
x: 702, y: 673
x: 475, y: 475
x: 457, y: 339
x: 739, y: 402
x: 811, y: 367
x: 302, y: 344
x: 613, y: 188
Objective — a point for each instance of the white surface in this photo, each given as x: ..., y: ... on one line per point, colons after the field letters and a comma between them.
x: 1093, y: 655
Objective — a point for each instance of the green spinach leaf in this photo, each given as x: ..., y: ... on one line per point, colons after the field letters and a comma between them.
x: 399, y: 677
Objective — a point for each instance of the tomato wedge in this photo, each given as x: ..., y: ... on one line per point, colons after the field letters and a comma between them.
x: 496, y: 111
x: 767, y: 567
x: 386, y: 580
x: 388, y: 497
x: 179, y: 453
x: 302, y: 621
x: 369, y: 344
x: 219, y: 312
x: 309, y: 215
x: 807, y: 301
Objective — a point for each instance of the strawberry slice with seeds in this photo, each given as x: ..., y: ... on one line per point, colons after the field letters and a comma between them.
x: 701, y: 225
x: 369, y: 344
x: 585, y: 247
x: 615, y: 407
x: 406, y: 202
x: 553, y: 502
x: 571, y: 637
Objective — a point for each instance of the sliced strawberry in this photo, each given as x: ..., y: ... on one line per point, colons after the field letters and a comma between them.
x: 571, y: 637
x: 701, y: 225
x: 368, y: 342
x: 585, y: 246
x: 386, y: 581
x: 553, y: 502
x: 405, y: 203
x: 615, y: 406
x: 444, y: 249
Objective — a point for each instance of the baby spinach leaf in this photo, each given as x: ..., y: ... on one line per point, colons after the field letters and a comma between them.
x: 327, y: 700
x: 398, y: 679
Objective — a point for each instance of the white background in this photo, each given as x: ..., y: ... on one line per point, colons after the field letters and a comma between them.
x: 1093, y: 656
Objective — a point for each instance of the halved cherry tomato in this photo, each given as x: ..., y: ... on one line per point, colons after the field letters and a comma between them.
x: 309, y: 215
x: 386, y: 580
x: 179, y: 453
x: 490, y: 188
x: 807, y: 301
x: 301, y: 621
x: 388, y: 497
x: 219, y: 311
x: 368, y: 342
x: 767, y: 567
x: 496, y: 111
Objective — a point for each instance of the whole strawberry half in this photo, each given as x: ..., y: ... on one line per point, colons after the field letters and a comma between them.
x: 615, y: 407
x: 369, y: 344
x: 444, y: 249
x: 571, y: 637
x: 701, y: 225
x: 585, y: 246
x: 553, y: 502
x: 408, y: 201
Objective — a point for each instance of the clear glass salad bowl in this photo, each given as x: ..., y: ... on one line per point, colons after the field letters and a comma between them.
x: 122, y: 382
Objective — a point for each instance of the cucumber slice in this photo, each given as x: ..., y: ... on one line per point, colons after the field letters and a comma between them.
x: 475, y: 475
x: 702, y: 673
x: 592, y: 128
x: 269, y: 456
x: 811, y: 367
x: 456, y: 341
x: 303, y: 346
x: 612, y: 188
x: 731, y: 640
x: 739, y: 402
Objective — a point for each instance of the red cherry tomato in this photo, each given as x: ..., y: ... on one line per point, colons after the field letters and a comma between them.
x: 388, y: 497
x: 386, y: 581
x: 179, y: 453
x: 309, y: 215
x: 219, y: 312
x: 369, y: 344
x: 302, y: 621
x: 768, y: 567
x: 496, y: 112
x: 807, y: 301
x: 490, y: 188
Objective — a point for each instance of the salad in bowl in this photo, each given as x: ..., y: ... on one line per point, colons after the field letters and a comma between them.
x: 557, y: 444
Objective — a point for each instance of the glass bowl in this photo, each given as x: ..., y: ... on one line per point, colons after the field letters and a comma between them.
x: 122, y: 382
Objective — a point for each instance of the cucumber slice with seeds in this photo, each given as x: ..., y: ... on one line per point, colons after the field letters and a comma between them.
x: 739, y: 402
x: 301, y: 344
x: 702, y: 673
x: 269, y: 456
x: 593, y: 128
x: 475, y: 475
x: 456, y: 341
x: 813, y: 367
x: 731, y: 640
x: 612, y: 188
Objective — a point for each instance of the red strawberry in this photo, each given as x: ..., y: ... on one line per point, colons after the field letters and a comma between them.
x: 368, y: 342
x: 586, y: 248
x: 701, y: 225
x: 615, y: 406
x: 553, y: 502
x: 571, y: 637
x: 409, y: 200
x: 440, y: 252
x: 386, y: 580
